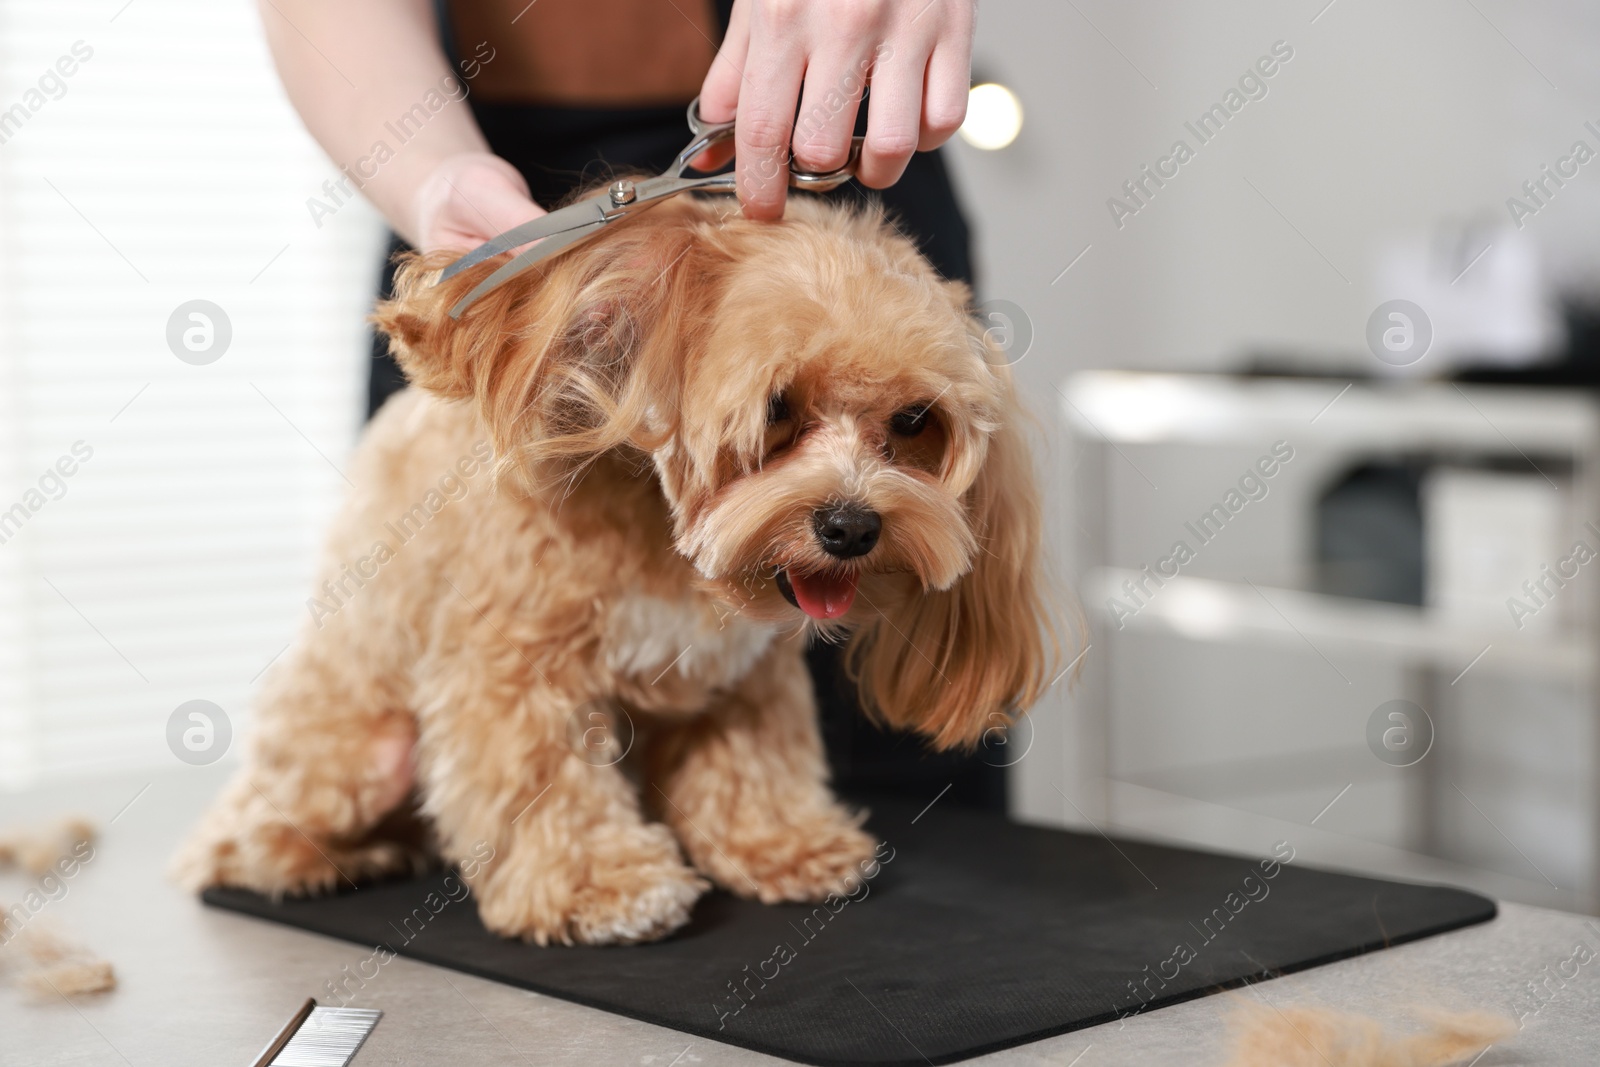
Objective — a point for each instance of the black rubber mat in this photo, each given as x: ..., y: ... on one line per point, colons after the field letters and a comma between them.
x: 974, y: 935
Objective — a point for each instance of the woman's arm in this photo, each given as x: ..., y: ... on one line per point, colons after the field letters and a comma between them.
x: 367, y: 77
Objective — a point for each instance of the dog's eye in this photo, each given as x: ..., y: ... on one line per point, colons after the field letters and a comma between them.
x: 908, y: 422
x: 777, y: 409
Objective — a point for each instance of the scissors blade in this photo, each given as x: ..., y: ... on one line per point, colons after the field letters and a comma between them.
x: 651, y: 191
x: 546, y: 248
x: 572, y: 217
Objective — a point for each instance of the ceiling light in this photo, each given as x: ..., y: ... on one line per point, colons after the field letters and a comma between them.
x: 994, y: 117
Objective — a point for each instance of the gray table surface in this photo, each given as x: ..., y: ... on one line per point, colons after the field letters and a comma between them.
x: 202, y: 987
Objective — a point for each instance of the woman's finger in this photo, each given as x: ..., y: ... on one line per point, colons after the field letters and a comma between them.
x: 766, y: 108
x: 894, y: 118
x: 944, y: 102
x: 719, y: 93
x: 833, y: 88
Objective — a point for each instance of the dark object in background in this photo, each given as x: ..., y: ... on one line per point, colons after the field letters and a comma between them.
x: 973, y: 935
x: 1369, y: 537
x: 1578, y: 365
x: 1369, y: 524
x: 866, y: 758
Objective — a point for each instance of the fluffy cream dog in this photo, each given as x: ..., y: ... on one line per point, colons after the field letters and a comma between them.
x: 622, y: 494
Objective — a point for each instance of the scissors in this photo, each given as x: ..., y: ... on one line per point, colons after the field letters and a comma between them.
x: 568, y: 227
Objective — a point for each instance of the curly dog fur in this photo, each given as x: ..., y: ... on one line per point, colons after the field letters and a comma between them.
x: 564, y: 609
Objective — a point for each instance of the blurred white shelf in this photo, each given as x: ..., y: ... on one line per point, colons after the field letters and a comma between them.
x: 1204, y: 609
x: 1136, y: 408
x: 1109, y: 412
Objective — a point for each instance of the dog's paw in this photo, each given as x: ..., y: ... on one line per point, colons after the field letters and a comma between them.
x: 631, y: 887
x: 278, y: 860
x: 827, y: 854
x: 246, y: 842
x: 607, y: 915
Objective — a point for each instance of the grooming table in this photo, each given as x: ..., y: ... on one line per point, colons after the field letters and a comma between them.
x: 976, y: 935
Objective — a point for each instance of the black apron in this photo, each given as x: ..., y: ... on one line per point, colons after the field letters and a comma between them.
x: 562, y: 149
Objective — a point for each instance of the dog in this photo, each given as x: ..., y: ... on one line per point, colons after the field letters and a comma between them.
x: 564, y: 610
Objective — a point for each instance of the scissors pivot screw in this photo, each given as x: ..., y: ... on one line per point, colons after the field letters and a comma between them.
x: 623, y: 192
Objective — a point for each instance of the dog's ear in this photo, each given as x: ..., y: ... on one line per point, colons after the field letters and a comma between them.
x: 574, y: 357
x: 955, y: 663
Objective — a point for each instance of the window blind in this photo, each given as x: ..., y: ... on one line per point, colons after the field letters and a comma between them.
x: 173, y: 561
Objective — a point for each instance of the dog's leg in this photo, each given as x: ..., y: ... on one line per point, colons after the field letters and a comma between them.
x: 553, y: 844
x: 745, y: 788
x: 329, y: 760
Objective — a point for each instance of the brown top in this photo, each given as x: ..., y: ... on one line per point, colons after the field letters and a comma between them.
x: 598, y: 53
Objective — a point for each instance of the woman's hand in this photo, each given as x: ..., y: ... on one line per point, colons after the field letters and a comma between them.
x: 467, y: 199
x: 916, y: 54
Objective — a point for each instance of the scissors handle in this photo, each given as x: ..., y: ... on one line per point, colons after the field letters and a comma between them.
x: 707, y: 134
x: 574, y: 224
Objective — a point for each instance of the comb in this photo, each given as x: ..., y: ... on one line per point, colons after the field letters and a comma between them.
x: 319, y: 1037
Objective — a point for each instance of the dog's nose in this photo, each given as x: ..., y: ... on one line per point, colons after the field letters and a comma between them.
x: 846, y: 531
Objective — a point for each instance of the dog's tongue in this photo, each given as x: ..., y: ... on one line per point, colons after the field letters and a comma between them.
x: 824, y: 596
